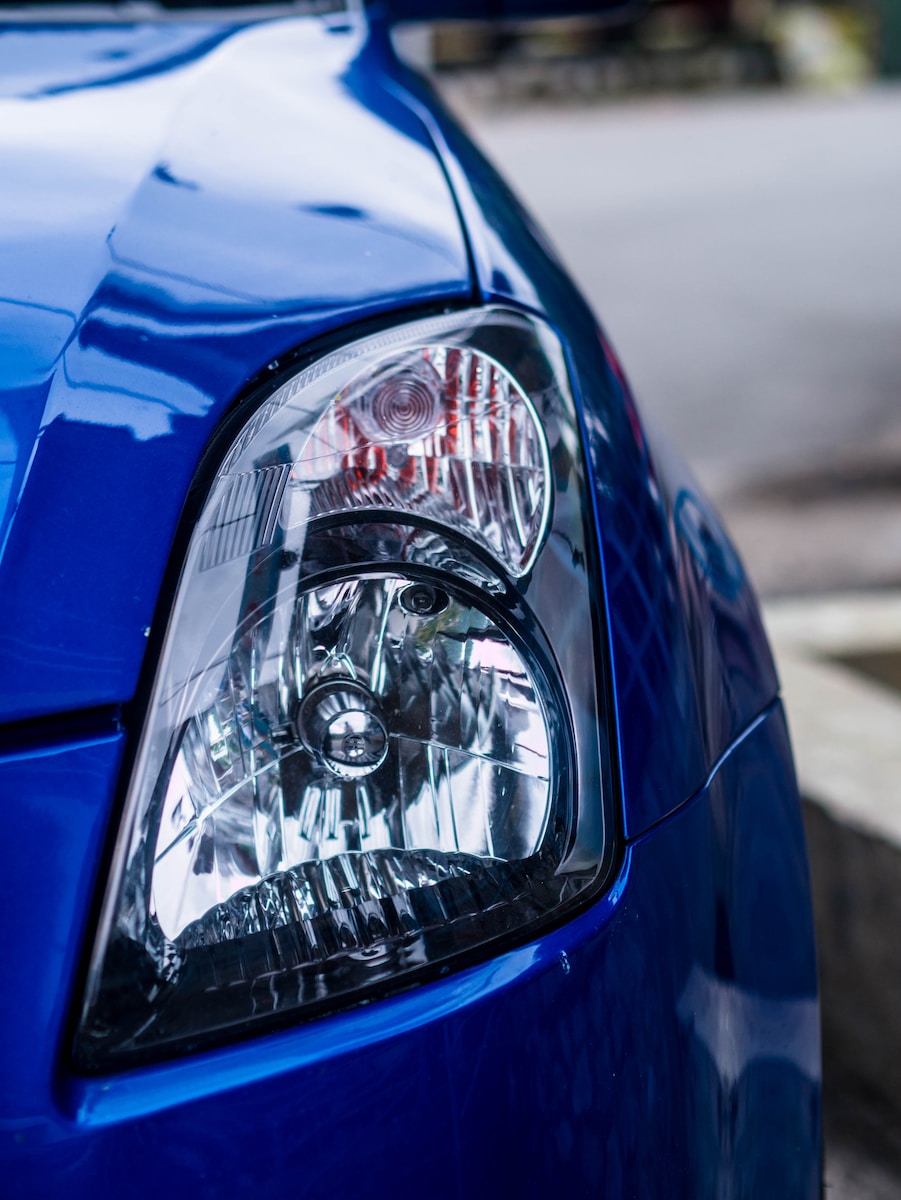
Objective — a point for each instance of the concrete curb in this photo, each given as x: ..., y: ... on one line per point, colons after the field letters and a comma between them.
x: 846, y: 731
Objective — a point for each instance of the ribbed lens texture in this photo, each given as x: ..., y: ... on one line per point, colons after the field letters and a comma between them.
x: 399, y: 718
x: 445, y: 433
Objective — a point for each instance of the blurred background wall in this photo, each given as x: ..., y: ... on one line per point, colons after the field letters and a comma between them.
x: 664, y: 44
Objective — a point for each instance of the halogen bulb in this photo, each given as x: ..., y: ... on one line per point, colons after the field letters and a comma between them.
x: 422, y: 600
x: 338, y: 723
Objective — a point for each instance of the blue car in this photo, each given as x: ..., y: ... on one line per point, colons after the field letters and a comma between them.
x: 396, y: 789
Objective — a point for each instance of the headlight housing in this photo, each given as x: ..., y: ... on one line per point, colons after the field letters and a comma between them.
x: 374, y: 745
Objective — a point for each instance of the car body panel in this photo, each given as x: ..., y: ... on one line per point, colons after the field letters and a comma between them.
x: 632, y: 1051
x: 152, y: 266
x: 58, y: 796
x: 662, y: 1042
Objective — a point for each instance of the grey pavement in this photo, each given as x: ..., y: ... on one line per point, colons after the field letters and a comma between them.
x: 840, y: 663
x: 744, y: 254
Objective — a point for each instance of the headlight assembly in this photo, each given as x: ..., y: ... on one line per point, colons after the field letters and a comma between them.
x: 374, y: 746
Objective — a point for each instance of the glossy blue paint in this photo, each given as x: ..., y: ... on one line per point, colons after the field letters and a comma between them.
x: 732, y: 663
x: 181, y: 206
x: 57, y: 799
x: 630, y: 1053
x: 691, y: 664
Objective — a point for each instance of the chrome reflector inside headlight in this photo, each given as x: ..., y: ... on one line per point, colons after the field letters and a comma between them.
x: 373, y: 742
x: 398, y: 717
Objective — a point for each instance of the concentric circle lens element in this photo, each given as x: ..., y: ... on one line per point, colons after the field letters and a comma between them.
x: 406, y: 405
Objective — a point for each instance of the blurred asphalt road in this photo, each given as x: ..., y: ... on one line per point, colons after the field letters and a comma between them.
x: 744, y: 254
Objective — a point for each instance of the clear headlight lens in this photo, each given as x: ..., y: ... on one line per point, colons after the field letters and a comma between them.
x: 372, y: 744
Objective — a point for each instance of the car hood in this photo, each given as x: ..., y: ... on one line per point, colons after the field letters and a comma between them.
x: 182, y: 204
